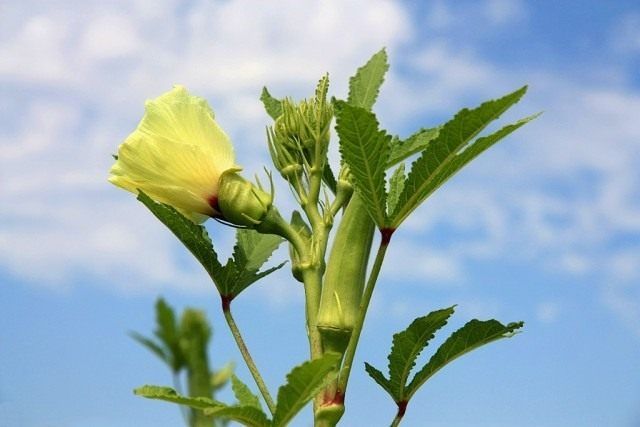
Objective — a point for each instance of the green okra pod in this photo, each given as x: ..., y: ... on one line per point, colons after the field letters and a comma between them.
x: 345, y: 276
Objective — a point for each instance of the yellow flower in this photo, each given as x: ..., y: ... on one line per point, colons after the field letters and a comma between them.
x: 176, y: 155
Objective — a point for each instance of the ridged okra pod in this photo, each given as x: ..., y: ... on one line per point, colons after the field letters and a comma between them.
x: 345, y: 276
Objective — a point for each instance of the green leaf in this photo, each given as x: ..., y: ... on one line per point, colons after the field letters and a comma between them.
x: 379, y: 378
x: 272, y: 105
x: 154, y: 347
x: 245, y: 415
x: 365, y: 149
x: 474, y: 334
x: 251, y: 251
x: 407, y: 346
x: 303, y: 382
x: 244, y: 395
x: 220, y: 377
x: 401, y: 150
x: 329, y: 178
x: 170, y: 395
x: 168, y: 332
x: 365, y: 84
x: 480, y: 145
x: 192, y: 235
x: 434, y: 166
x: 396, y: 184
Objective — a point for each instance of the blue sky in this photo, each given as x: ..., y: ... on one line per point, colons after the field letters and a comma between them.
x: 544, y: 228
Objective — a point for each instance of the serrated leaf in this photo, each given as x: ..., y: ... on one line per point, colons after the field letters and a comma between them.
x: 170, y: 395
x: 396, y: 184
x: 303, y: 382
x: 474, y: 334
x: 365, y: 149
x: 272, y: 105
x: 245, y: 415
x: 251, y: 251
x: 192, y: 235
x: 365, y: 84
x: 402, y: 150
x: 433, y: 167
x: 480, y: 145
x: 407, y: 346
x: 379, y: 378
x: 243, y: 394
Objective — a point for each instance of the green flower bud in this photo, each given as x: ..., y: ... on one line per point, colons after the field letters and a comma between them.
x: 241, y: 202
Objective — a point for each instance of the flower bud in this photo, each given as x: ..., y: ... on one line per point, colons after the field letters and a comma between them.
x: 241, y: 202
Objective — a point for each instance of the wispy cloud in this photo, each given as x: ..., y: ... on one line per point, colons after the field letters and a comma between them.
x: 561, y: 193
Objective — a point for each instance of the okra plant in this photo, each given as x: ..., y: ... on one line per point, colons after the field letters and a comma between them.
x: 182, y: 167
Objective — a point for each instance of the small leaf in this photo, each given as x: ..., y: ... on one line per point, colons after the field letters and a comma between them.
x: 170, y: 395
x: 401, y: 150
x: 168, y: 332
x: 245, y: 415
x: 151, y: 345
x: 193, y: 236
x: 329, y: 178
x: 407, y: 346
x: 396, y: 184
x: 474, y: 334
x: 220, y: 377
x: 433, y: 167
x: 303, y: 382
x: 365, y: 149
x: 253, y: 249
x: 379, y: 378
x: 478, y: 147
x: 365, y: 84
x: 272, y: 105
x: 243, y: 394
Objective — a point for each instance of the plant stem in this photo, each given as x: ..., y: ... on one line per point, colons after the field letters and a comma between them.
x: 364, y: 305
x: 248, y: 359
x: 177, y: 385
x: 396, y: 421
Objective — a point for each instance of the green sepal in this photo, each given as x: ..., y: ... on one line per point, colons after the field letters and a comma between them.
x: 303, y: 383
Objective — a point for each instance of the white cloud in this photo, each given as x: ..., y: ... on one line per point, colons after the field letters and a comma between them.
x: 626, y: 34
x: 548, y: 312
x: 560, y: 193
x: 502, y: 12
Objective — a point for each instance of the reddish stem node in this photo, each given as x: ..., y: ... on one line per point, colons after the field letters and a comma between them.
x: 402, y: 408
x: 386, y: 234
x: 226, y: 302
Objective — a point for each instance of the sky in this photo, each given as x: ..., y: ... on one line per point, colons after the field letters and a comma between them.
x: 544, y: 228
